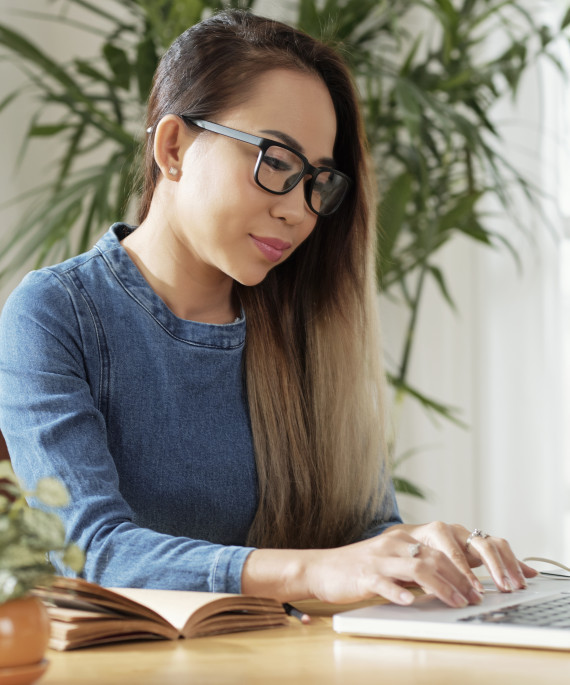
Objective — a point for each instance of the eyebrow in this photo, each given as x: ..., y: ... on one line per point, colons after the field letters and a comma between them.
x: 291, y: 142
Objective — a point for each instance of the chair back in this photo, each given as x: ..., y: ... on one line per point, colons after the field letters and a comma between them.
x: 4, y: 456
x: 3, y: 449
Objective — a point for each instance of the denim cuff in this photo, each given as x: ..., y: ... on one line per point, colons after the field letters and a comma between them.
x: 227, y: 569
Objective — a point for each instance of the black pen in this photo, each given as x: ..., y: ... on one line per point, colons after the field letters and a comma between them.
x: 291, y: 611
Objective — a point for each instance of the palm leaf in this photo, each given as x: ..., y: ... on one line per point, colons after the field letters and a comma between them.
x: 426, y: 101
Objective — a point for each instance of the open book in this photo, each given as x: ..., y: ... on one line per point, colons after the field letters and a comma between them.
x: 83, y: 614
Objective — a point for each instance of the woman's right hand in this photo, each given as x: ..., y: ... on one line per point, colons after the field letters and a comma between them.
x: 379, y: 566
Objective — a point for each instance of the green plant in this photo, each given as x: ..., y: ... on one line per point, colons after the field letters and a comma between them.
x: 428, y: 72
x: 28, y: 534
x: 94, y: 108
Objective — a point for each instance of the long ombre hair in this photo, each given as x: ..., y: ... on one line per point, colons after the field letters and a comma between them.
x: 312, y: 360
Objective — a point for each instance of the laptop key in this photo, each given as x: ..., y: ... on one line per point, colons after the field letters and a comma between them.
x: 548, y: 614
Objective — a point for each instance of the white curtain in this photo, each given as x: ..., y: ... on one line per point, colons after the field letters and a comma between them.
x: 505, y: 358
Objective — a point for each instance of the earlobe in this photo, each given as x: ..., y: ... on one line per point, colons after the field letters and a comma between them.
x: 169, y: 142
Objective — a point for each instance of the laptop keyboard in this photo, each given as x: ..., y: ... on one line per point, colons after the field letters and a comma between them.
x: 551, y: 613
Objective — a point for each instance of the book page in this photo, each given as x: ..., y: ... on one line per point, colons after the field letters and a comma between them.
x: 175, y: 606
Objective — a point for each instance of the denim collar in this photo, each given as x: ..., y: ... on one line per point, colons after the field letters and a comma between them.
x: 223, y: 336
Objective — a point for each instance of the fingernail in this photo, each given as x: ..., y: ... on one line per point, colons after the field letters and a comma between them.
x: 474, y: 597
x: 478, y: 586
x: 406, y: 597
x: 507, y: 585
x: 459, y: 600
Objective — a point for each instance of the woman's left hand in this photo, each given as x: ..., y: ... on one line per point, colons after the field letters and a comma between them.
x: 495, y: 553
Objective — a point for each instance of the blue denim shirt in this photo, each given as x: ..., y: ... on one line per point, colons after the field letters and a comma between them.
x: 141, y: 414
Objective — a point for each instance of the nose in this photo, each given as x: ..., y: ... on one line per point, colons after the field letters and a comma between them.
x: 290, y: 207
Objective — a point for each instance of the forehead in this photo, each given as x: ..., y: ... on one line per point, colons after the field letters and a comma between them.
x: 294, y: 103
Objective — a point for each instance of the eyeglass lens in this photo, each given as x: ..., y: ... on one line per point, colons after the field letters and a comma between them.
x: 279, y: 170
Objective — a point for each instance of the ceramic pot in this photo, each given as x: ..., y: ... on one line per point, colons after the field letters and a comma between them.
x: 24, y: 635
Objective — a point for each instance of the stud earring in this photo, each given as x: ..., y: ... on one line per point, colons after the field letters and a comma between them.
x: 173, y: 171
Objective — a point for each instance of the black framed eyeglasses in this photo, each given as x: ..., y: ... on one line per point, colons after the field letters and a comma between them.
x: 279, y: 168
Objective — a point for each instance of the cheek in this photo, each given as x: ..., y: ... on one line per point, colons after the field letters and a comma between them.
x: 208, y: 198
x: 220, y: 175
x: 311, y: 222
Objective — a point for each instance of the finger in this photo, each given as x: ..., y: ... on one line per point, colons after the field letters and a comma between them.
x: 450, y: 539
x: 485, y: 549
x: 528, y: 571
x: 438, y: 575
x: 457, y: 555
x: 428, y: 567
x: 499, y: 559
x: 451, y: 563
x: 390, y: 590
x: 397, y: 569
x: 511, y: 564
x: 435, y: 574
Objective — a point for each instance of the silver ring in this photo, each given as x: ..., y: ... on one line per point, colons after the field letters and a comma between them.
x: 477, y: 533
x: 414, y: 549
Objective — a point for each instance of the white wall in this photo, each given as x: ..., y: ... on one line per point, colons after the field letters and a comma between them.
x: 59, y: 43
x: 506, y: 358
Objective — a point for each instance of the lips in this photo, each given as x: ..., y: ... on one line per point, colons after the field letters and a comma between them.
x: 271, y: 248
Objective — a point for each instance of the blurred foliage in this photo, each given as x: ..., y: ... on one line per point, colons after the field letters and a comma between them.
x: 28, y: 534
x: 429, y: 72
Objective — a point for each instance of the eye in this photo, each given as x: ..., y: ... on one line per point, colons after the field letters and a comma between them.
x: 277, y: 159
x: 281, y: 160
x: 276, y: 164
x: 280, y: 169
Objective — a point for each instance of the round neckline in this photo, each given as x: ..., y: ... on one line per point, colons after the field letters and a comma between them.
x: 223, y: 336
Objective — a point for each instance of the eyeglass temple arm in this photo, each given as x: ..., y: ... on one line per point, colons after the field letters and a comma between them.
x: 225, y: 131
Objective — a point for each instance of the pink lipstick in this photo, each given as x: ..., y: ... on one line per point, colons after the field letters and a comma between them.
x: 271, y: 248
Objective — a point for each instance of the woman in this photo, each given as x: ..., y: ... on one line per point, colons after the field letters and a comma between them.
x: 198, y: 457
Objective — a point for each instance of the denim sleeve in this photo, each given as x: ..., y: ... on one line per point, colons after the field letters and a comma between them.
x: 388, y: 515
x: 53, y: 428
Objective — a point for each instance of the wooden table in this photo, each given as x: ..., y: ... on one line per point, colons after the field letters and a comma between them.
x: 304, y: 655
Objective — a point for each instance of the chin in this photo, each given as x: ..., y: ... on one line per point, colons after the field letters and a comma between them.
x: 251, y: 279
x: 250, y: 282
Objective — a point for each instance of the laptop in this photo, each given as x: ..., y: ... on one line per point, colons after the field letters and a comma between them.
x: 536, y: 617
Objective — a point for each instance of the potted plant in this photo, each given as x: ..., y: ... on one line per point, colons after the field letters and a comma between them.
x: 429, y: 73
x: 27, y: 536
